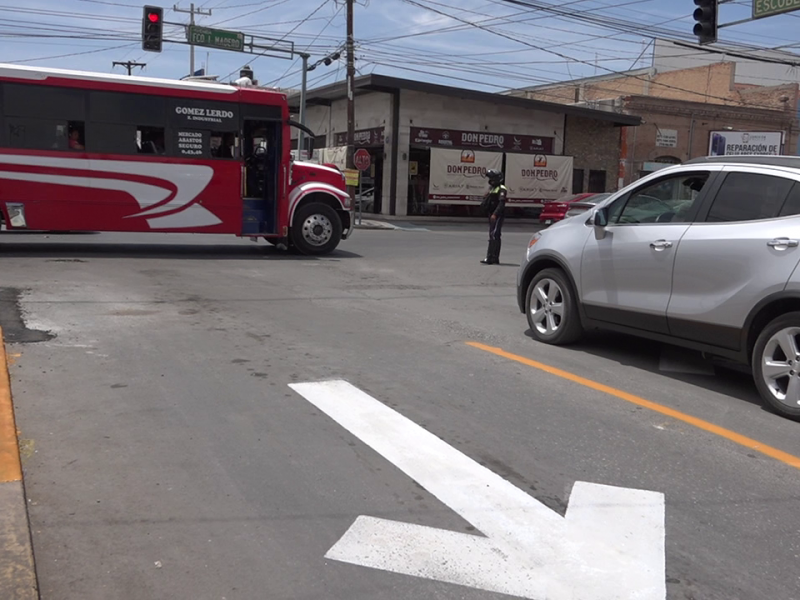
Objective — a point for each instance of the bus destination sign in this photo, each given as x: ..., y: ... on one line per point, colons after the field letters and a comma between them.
x: 215, y: 38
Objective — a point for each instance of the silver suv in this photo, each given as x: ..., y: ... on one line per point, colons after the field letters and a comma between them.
x: 703, y: 255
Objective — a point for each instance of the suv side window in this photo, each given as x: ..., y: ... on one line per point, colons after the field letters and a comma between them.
x: 792, y: 204
x: 667, y: 200
x: 748, y: 197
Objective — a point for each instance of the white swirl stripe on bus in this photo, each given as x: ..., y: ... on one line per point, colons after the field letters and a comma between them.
x: 189, y: 180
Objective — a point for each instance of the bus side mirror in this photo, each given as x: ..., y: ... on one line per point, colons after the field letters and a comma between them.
x: 600, y: 221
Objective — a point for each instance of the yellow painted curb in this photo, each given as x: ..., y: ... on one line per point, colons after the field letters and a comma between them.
x: 10, y: 466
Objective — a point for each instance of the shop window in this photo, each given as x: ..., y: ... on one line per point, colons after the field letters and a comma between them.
x: 597, y: 181
x: 224, y: 144
x: 577, y: 181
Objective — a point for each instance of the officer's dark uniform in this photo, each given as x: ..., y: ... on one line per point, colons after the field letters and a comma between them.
x: 495, y: 205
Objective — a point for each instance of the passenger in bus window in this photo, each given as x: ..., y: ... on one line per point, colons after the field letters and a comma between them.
x: 75, y: 137
x: 228, y: 148
x: 158, y: 141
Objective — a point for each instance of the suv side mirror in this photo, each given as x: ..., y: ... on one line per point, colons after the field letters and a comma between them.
x: 600, y: 222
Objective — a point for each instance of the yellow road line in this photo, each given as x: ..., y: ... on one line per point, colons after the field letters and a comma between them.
x: 737, y: 438
x: 10, y: 468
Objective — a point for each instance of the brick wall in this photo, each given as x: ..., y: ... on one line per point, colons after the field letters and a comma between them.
x: 693, y: 122
x: 713, y: 84
x: 590, y: 91
x: 595, y: 146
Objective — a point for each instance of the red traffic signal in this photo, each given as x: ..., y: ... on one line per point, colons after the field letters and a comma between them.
x: 152, y: 28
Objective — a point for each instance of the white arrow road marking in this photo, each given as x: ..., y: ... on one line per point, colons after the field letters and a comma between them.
x: 610, y: 545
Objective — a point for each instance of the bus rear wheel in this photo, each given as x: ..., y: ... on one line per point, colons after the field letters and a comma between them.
x: 316, y: 229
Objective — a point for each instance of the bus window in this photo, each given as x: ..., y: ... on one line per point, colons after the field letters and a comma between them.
x: 37, y: 134
x: 76, y: 134
x: 150, y: 140
x: 224, y: 144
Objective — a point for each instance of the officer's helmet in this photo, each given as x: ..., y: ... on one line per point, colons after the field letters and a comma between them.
x: 494, y: 176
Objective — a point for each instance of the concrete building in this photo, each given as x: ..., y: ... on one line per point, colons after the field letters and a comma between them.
x: 754, y: 66
x: 408, y: 125
x: 685, y: 113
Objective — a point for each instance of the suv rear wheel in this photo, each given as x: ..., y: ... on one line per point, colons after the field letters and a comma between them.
x: 776, y: 365
x: 552, y: 308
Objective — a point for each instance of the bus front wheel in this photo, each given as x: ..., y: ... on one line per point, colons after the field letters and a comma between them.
x: 316, y: 229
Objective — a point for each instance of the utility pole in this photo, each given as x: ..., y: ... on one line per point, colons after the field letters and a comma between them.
x: 192, y: 12
x: 351, y: 106
x: 129, y: 64
x: 301, y: 136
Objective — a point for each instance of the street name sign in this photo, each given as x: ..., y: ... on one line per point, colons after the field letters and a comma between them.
x: 215, y: 38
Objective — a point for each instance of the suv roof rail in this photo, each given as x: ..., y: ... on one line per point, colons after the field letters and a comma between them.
x: 775, y: 161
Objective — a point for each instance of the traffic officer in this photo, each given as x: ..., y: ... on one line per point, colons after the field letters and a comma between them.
x: 495, y: 203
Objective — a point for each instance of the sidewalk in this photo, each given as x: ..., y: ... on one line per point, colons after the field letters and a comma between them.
x: 373, y: 221
x: 17, y: 572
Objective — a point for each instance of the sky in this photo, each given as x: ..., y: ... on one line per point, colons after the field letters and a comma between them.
x: 491, y: 45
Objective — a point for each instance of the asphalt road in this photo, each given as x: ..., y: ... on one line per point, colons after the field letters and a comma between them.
x: 166, y: 456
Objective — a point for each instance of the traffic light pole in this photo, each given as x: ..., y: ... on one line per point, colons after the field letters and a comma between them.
x: 192, y: 12
x: 301, y: 136
x: 351, y: 105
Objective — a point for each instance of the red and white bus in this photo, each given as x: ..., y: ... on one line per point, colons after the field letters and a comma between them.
x: 94, y: 152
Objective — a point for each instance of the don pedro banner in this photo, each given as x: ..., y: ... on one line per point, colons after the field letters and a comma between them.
x: 459, y: 176
x: 335, y: 156
x: 531, y: 179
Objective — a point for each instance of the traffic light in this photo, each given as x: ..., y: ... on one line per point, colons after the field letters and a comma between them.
x: 706, y: 16
x: 152, y: 28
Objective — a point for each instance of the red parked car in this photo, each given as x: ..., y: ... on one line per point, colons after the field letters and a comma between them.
x: 556, y: 210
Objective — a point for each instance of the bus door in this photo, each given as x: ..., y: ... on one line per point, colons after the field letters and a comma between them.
x: 261, y: 152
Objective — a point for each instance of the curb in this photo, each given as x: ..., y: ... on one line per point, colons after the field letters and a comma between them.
x: 375, y: 224
x: 17, y: 569
x: 444, y: 220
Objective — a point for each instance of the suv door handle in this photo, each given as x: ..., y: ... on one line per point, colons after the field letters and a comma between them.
x: 659, y: 245
x: 783, y: 243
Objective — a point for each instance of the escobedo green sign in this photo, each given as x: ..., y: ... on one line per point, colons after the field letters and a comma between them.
x: 767, y: 8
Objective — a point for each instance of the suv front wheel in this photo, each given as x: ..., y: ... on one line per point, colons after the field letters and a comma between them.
x: 552, y: 308
x: 776, y: 365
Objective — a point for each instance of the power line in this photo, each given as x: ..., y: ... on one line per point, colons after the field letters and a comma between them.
x: 335, y: 14
x: 112, y: 3
x: 525, y: 42
x: 26, y: 60
x: 292, y: 30
x: 252, y: 12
